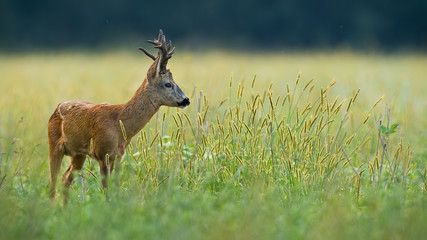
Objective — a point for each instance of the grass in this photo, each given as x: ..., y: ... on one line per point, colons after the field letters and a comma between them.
x: 273, y: 146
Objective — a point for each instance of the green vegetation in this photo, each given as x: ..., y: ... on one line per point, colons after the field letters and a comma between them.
x: 273, y: 146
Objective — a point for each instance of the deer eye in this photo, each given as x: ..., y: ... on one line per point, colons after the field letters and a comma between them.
x: 168, y: 85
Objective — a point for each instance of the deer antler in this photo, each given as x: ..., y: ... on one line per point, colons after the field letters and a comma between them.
x: 165, y: 51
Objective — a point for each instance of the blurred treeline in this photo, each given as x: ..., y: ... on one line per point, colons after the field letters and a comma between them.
x: 361, y: 24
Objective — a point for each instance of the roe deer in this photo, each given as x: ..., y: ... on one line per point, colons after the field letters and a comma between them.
x: 74, y: 124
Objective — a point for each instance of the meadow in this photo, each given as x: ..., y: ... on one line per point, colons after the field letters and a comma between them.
x: 300, y: 145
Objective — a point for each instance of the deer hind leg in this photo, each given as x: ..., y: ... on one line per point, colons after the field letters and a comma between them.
x: 76, y: 163
x: 56, y: 151
x: 56, y: 154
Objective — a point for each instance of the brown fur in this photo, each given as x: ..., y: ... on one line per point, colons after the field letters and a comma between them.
x: 74, y: 123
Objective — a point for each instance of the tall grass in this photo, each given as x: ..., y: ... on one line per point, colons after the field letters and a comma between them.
x: 268, y: 154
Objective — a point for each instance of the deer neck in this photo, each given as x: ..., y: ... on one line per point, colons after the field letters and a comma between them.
x: 138, y: 110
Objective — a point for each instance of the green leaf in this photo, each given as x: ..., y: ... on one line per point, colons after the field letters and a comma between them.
x: 383, y: 129
x: 394, y: 127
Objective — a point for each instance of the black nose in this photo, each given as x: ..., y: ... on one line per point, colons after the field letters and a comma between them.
x: 184, y: 102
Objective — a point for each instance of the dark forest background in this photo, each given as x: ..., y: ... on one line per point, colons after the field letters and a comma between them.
x: 305, y: 24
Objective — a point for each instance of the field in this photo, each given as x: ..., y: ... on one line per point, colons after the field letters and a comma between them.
x: 324, y: 145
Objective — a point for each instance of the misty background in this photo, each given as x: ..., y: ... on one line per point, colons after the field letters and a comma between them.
x: 361, y: 25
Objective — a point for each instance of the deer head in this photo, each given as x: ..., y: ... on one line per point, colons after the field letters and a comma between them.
x: 160, y: 80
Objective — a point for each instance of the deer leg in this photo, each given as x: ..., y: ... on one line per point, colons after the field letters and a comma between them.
x: 56, y: 151
x: 118, y: 167
x: 105, y: 173
x: 115, y: 162
x: 55, y: 159
x: 76, y: 163
x: 106, y: 166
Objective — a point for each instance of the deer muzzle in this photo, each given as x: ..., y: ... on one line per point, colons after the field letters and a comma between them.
x: 184, y: 103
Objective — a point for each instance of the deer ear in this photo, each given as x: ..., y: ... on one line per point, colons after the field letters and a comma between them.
x: 154, y: 70
x: 158, y: 65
